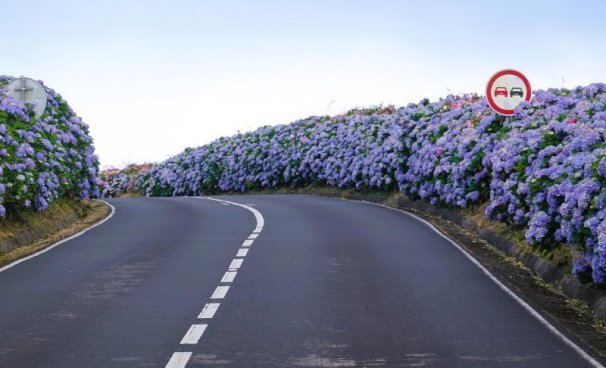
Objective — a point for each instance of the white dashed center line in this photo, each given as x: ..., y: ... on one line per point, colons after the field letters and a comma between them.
x: 220, y: 292
x: 236, y: 263
x: 229, y: 276
x: 194, y: 334
x: 178, y: 360
x: 209, y: 310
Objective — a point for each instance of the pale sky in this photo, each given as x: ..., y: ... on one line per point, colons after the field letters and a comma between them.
x: 154, y: 77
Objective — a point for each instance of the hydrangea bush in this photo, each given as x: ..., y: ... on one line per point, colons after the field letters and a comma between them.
x: 116, y: 181
x: 43, y: 159
x: 549, y: 173
x: 543, y: 169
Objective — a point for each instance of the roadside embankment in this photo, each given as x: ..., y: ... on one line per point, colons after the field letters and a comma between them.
x: 24, y: 233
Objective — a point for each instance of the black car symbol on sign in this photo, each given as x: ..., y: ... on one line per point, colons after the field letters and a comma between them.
x: 516, y: 91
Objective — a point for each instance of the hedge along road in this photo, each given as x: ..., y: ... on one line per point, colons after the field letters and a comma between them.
x: 302, y: 281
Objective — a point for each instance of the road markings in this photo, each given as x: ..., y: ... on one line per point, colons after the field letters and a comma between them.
x: 178, y: 360
x: 194, y: 334
x: 220, y: 292
x: 209, y: 310
x: 229, y: 276
x: 111, y: 214
x: 526, y: 306
x: 236, y: 263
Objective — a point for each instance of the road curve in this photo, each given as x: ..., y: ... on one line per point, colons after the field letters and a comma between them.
x: 326, y: 283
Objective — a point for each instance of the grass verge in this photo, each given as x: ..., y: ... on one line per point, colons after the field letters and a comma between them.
x: 25, y: 233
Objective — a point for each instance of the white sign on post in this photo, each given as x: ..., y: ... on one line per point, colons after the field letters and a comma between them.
x: 30, y: 92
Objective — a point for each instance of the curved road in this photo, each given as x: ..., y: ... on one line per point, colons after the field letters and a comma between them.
x: 320, y: 282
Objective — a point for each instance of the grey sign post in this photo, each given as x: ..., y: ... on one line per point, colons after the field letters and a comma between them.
x: 30, y: 92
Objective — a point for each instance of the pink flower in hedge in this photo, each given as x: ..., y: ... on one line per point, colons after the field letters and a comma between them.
x: 440, y: 150
x: 469, y: 124
x: 572, y: 121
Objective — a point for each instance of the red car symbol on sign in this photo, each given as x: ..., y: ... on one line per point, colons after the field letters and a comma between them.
x: 500, y: 91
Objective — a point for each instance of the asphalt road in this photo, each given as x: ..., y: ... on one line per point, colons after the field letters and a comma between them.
x: 325, y: 283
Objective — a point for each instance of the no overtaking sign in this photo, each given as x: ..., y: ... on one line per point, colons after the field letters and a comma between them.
x: 506, y: 90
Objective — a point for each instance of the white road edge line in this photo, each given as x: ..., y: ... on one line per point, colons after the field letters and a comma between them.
x: 13, y: 264
x: 248, y: 243
x: 194, y: 334
x: 520, y: 301
x: 253, y: 236
x: 209, y: 310
x: 242, y: 252
x: 178, y: 360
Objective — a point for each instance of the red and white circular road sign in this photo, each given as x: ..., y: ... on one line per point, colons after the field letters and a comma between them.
x: 506, y: 90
